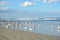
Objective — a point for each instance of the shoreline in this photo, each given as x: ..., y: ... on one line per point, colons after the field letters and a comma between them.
x: 10, y: 34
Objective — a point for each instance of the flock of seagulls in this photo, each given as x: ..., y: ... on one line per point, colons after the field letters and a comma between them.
x: 33, y: 28
x: 58, y: 28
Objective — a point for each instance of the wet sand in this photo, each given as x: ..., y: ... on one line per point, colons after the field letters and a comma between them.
x: 10, y: 34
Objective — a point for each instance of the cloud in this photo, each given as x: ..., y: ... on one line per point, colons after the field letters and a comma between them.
x: 44, y: 1
x: 35, y: 2
x: 26, y: 3
x: 50, y: 1
x: 2, y: 3
x: 4, y: 8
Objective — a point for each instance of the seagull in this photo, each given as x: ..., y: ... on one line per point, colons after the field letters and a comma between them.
x: 58, y: 27
x: 30, y: 29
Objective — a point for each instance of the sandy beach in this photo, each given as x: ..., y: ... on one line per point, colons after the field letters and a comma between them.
x: 10, y: 34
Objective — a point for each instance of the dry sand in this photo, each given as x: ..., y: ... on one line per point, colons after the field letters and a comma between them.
x: 10, y: 34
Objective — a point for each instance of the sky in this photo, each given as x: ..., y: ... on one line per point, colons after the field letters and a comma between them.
x: 29, y: 8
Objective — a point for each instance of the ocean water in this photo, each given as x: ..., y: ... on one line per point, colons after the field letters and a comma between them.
x: 43, y: 27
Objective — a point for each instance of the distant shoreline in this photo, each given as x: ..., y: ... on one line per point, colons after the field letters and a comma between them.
x: 9, y: 34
